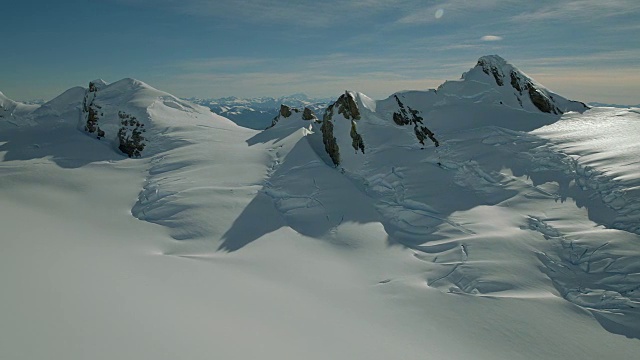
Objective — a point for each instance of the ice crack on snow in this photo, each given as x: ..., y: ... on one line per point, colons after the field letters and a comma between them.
x: 597, y: 277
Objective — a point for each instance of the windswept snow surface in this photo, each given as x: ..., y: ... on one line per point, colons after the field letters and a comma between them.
x: 516, y: 238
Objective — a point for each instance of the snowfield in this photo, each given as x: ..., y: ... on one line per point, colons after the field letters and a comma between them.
x: 516, y: 237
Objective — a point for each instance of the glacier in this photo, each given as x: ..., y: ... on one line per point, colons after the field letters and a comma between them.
x: 460, y: 222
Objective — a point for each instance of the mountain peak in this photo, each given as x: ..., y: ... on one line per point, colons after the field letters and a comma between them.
x: 493, y: 60
x: 497, y: 67
x: 297, y: 96
x: 9, y: 107
x: 495, y: 70
x: 97, y: 84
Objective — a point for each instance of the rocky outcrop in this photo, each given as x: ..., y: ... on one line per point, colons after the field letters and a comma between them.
x: 126, y: 131
x: 516, y: 80
x: 287, y: 111
x: 489, y: 68
x: 308, y: 114
x: 541, y: 101
x: 356, y: 139
x: 408, y: 116
x: 347, y: 106
x: 329, y: 140
x: 91, y: 112
x: 130, y: 138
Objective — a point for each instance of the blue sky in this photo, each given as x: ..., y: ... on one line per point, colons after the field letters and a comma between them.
x: 588, y: 50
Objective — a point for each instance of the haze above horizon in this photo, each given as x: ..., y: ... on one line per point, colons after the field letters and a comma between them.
x: 586, y: 50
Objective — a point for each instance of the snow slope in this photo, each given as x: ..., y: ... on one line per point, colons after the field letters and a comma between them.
x: 513, y: 238
x: 10, y: 109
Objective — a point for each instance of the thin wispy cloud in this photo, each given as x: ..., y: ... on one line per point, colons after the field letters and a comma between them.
x: 221, y: 63
x: 579, y: 10
x: 434, y: 11
x: 335, y: 64
x: 491, y: 38
x: 278, y: 83
x: 308, y: 13
x: 594, y: 60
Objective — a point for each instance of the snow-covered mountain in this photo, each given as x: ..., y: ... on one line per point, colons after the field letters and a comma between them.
x: 358, y: 119
x: 12, y: 109
x: 258, y: 113
x: 484, y: 219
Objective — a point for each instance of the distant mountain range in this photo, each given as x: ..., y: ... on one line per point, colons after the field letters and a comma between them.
x: 258, y: 113
x: 599, y: 104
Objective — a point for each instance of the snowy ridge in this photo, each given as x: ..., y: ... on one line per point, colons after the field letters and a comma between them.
x: 12, y: 109
x: 65, y: 103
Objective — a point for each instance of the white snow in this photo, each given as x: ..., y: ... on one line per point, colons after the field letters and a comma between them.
x: 510, y: 240
x: 10, y: 109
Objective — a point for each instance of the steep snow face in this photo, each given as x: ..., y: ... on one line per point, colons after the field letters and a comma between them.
x: 512, y: 84
x: 66, y: 105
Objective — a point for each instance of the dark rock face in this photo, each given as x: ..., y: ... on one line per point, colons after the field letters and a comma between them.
x: 308, y: 114
x: 92, y: 120
x: 285, y: 111
x: 329, y: 140
x: 538, y: 98
x: 347, y: 107
x: 356, y: 139
x: 542, y: 102
x: 408, y: 116
x: 131, y: 141
x: 516, y: 80
x: 273, y: 122
x: 91, y: 110
x: 489, y: 69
